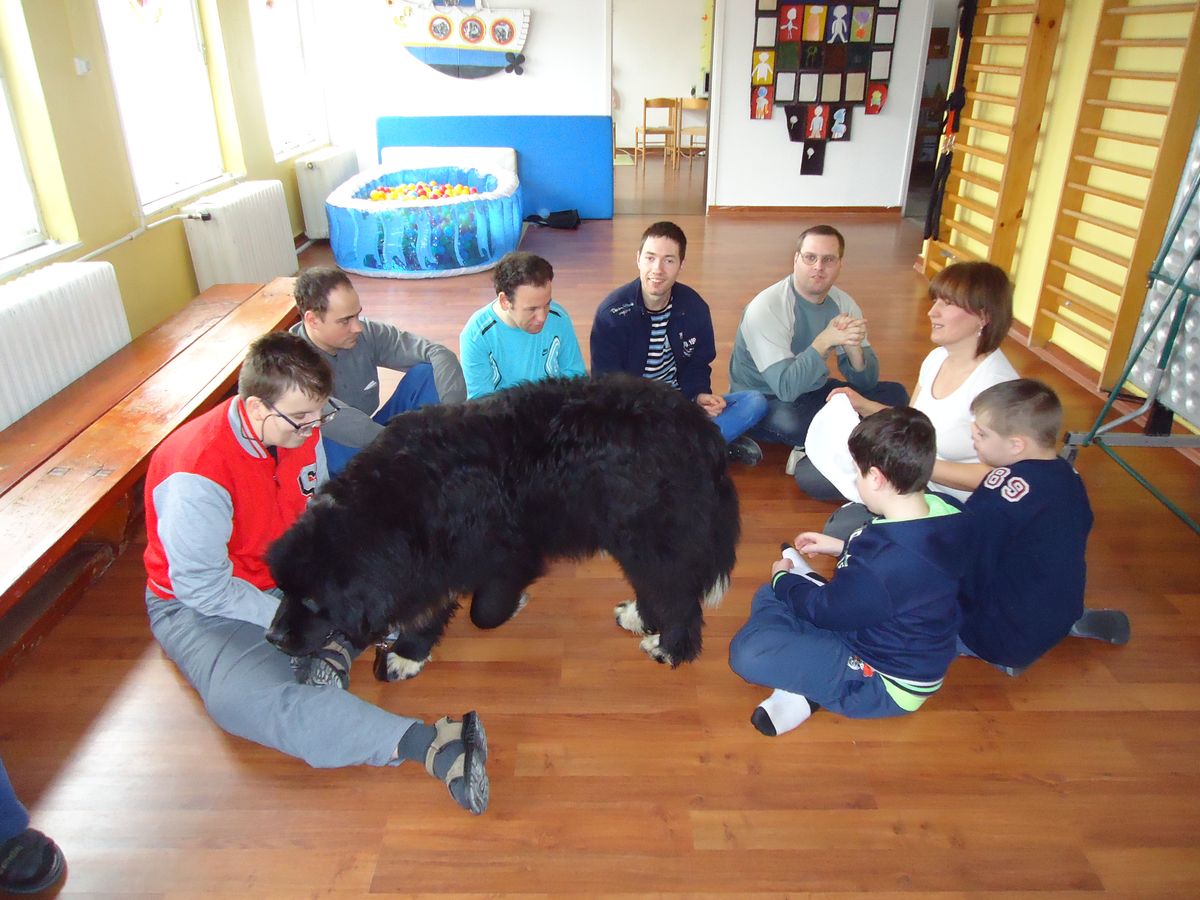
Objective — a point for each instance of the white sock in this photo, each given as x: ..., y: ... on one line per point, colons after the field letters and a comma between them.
x: 800, y: 565
x: 787, y: 710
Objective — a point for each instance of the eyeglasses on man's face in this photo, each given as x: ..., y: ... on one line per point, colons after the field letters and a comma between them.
x: 305, y: 427
x: 811, y: 259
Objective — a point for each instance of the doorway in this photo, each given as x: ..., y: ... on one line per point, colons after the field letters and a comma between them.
x: 934, y: 87
x: 661, y: 49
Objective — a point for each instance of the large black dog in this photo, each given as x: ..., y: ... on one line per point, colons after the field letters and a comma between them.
x: 474, y: 498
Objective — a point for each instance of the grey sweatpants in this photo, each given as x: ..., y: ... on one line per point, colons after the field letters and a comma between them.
x: 249, y: 690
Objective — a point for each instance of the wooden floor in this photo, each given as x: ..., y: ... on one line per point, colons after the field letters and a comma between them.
x: 614, y: 776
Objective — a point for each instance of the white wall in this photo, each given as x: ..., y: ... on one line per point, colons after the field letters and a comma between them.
x: 655, y: 53
x: 754, y: 163
x: 367, y: 73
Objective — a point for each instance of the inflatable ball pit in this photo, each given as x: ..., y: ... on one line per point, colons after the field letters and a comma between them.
x: 420, y: 238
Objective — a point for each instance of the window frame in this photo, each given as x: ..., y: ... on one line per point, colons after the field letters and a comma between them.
x: 158, y: 194
x: 38, y: 236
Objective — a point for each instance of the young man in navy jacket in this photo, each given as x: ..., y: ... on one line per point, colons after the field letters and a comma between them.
x: 658, y: 328
x: 876, y: 639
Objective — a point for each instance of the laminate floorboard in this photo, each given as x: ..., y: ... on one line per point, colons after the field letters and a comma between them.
x: 615, y: 777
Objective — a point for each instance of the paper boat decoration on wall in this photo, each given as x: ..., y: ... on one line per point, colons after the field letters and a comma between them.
x: 464, y: 40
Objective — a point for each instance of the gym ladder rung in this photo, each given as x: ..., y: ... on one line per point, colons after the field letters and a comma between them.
x: 1135, y: 202
x: 1085, y: 309
x: 1101, y: 341
x: 1095, y: 280
x: 1122, y: 261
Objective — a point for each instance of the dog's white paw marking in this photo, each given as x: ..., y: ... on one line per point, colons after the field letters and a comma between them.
x: 629, y: 618
x: 651, y: 647
x: 401, y: 669
x: 715, y: 594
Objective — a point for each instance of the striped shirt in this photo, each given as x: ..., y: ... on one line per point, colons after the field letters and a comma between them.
x: 660, y: 361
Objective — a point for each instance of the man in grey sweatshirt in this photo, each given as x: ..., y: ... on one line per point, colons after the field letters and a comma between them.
x: 356, y: 348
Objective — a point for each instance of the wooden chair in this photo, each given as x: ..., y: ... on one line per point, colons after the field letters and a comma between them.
x: 669, y: 132
x: 691, y: 132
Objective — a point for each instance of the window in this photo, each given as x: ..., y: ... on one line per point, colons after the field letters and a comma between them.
x: 156, y: 55
x: 294, y: 118
x: 20, y: 224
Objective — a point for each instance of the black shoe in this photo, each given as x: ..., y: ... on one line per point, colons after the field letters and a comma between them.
x: 743, y: 450
x: 30, y: 862
x: 761, y: 721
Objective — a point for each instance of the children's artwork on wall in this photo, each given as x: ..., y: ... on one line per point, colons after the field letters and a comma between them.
x: 876, y: 98
x: 856, y: 87
x: 464, y: 39
x: 818, y: 60
x: 760, y: 103
x: 764, y: 35
x: 812, y: 160
x: 814, y: 23
x: 764, y: 67
x: 885, y: 28
x: 817, y: 125
x: 860, y: 24
x: 839, y: 23
x: 790, y: 20
x: 808, y: 87
x: 831, y: 87
x: 881, y: 65
x: 785, y: 87
x: 796, y: 117
x: 839, y: 122
x: 812, y: 56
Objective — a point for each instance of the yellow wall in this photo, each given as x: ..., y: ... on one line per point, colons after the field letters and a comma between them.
x: 1059, y: 122
x: 76, y: 149
x: 1050, y: 166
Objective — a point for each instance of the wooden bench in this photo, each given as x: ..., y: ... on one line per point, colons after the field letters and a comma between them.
x: 68, y: 469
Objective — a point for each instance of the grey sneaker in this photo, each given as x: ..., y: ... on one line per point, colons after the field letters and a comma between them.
x: 743, y: 450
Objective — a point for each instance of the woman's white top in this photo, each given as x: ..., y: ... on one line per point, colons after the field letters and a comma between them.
x: 951, y: 415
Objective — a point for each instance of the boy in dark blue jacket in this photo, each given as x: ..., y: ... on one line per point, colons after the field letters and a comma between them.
x: 1022, y: 592
x: 877, y: 638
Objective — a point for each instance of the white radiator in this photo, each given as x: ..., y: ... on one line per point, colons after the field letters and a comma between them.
x: 55, y: 324
x: 317, y: 174
x: 247, y: 239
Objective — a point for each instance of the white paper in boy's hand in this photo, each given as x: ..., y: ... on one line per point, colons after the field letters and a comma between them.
x: 826, y: 445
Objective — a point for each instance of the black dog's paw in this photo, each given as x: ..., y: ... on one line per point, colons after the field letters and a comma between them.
x: 391, y: 666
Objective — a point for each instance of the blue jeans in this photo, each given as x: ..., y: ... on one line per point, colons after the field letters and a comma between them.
x: 416, y: 389
x: 743, y: 410
x: 787, y: 422
x: 14, y: 819
x: 778, y: 649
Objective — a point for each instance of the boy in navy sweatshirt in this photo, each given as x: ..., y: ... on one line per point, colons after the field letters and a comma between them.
x: 1022, y: 592
x: 877, y: 638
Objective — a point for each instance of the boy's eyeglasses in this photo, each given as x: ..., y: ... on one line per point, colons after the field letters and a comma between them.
x: 307, y: 427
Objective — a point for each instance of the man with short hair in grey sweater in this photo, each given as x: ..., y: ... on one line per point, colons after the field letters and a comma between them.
x: 356, y: 348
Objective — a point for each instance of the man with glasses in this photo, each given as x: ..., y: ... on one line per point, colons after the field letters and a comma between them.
x: 522, y: 335
x: 356, y: 348
x: 219, y: 491
x: 786, y: 335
